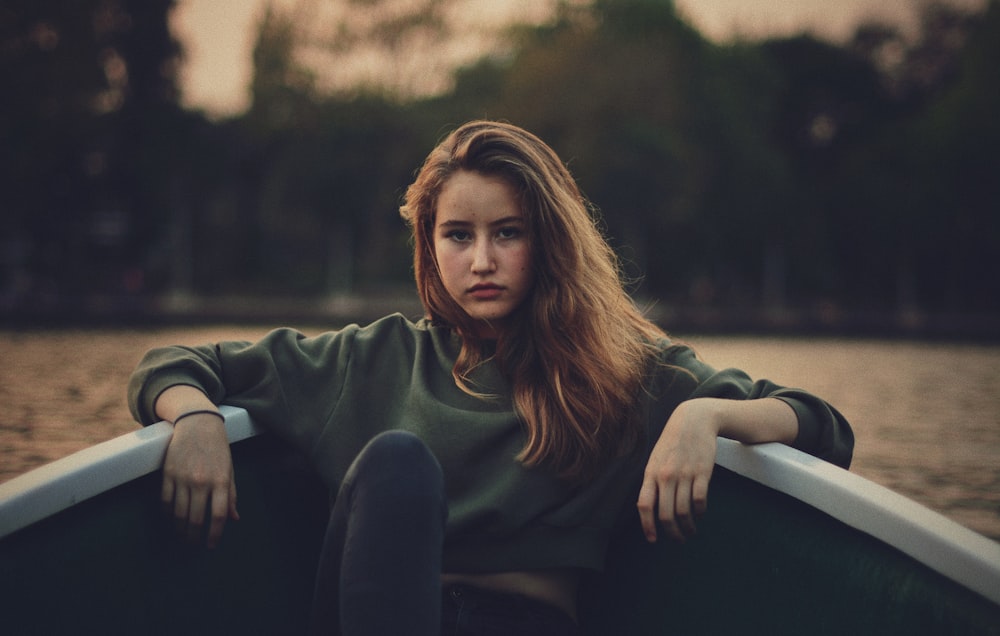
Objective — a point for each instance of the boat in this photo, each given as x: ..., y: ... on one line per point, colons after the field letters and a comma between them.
x: 789, y: 545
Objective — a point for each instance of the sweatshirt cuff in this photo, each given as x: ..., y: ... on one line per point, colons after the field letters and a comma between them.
x: 154, y: 388
x: 810, y: 432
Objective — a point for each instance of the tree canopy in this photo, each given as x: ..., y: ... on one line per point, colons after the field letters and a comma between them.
x: 787, y: 173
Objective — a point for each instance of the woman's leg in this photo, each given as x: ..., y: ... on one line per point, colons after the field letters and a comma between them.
x: 380, y: 569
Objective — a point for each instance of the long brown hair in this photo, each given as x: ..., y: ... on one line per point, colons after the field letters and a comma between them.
x: 576, y: 351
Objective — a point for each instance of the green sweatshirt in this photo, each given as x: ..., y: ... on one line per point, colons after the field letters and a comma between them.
x: 328, y: 395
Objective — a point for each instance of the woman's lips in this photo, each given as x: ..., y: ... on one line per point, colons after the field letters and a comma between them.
x: 485, y: 292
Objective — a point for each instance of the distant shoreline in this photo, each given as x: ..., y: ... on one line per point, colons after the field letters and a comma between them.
x: 334, y: 310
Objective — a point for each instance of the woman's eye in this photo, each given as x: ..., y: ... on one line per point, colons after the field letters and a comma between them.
x: 458, y: 235
x: 509, y: 232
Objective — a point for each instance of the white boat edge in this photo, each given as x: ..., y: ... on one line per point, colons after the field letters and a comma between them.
x: 945, y: 546
x: 58, y: 485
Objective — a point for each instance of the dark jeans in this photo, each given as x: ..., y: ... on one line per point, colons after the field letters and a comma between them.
x: 468, y: 611
x: 380, y: 568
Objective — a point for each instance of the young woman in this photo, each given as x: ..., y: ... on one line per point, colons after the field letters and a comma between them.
x: 480, y: 454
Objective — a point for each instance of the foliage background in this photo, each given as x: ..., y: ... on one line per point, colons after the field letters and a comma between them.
x: 784, y: 182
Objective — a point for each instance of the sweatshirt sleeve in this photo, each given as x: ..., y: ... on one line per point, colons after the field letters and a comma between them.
x: 288, y: 382
x: 823, y: 431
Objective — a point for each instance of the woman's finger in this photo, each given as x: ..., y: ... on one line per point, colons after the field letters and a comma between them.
x: 181, y: 508
x: 220, y: 507
x: 647, y: 509
x: 667, y: 510
x: 196, y: 514
x: 167, y: 488
x: 699, y: 494
x: 233, y: 512
x: 682, y: 509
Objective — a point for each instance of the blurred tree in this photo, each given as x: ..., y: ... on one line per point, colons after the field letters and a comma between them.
x: 51, y: 72
x: 89, y: 92
x: 955, y: 146
x: 283, y: 93
x: 831, y: 101
x: 918, y: 188
x: 148, y: 137
x: 401, y: 50
x: 319, y: 175
x: 666, y: 132
x: 397, y: 36
x: 967, y: 144
x: 789, y: 171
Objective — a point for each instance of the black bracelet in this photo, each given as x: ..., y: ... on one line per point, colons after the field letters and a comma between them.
x: 201, y: 412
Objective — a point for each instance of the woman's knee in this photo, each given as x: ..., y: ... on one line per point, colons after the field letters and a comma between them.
x: 399, y: 457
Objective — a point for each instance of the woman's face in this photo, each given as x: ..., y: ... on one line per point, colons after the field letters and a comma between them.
x: 482, y: 248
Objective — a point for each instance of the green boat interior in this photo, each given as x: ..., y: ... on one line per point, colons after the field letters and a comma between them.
x: 762, y: 563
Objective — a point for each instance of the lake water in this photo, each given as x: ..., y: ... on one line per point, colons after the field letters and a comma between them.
x: 926, y: 415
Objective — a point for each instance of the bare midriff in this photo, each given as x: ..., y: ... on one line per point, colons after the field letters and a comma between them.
x: 555, y: 587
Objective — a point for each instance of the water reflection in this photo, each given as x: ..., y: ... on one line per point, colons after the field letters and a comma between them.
x: 926, y: 415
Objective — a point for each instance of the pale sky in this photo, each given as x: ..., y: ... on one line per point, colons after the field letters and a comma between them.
x: 218, y: 34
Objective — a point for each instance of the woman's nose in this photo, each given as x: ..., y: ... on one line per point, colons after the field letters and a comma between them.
x: 482, y: 257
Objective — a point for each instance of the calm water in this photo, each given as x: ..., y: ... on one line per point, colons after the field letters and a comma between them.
x: 926, y: 416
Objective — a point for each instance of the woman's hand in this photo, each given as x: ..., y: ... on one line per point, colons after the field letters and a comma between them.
x: 198, y: 478
x: 675, y: 484
x: 198, y: 468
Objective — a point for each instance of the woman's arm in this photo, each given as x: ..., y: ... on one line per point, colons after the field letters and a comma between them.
x: 286, y: 382
x: 198, y: 467
x: 675, y: 483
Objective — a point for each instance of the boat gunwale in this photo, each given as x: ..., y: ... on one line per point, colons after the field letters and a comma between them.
x: 943, y: 545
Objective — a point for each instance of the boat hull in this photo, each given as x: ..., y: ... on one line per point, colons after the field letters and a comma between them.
x: 113, y: 564
x: 763, y: 562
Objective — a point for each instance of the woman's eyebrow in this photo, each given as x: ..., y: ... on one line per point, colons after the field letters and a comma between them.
x: 507, y: 220
x: 454, y: 223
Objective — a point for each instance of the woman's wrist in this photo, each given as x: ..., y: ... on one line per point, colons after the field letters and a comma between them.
x: 757, y: 421
x: 213, y: 411
x: 183, y: 400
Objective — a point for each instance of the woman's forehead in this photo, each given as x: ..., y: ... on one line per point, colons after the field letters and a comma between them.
x: 475, y: 196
